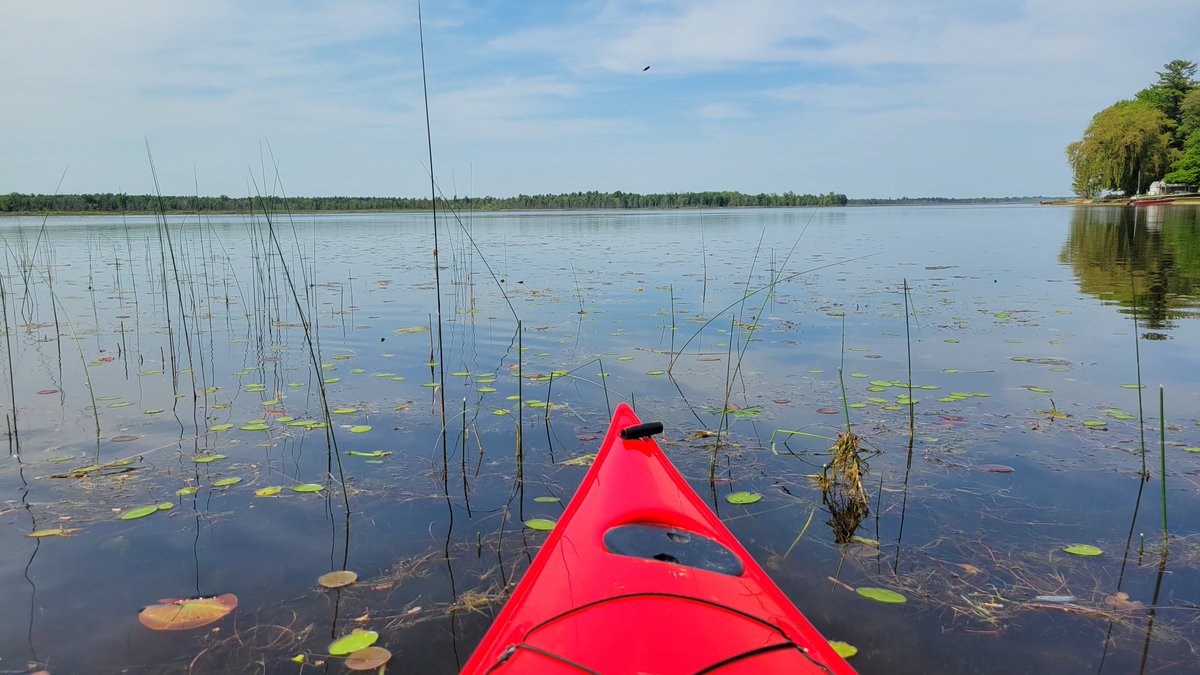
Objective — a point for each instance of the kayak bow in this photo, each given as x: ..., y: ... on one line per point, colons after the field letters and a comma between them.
x: 640, y: 576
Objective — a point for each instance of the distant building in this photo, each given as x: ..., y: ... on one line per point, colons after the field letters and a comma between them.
x: 1158, y: 187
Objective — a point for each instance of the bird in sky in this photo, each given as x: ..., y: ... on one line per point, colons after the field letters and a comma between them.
x: 645, y: 69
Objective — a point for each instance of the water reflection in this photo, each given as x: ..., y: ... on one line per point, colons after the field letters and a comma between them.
x: 1144, y: 257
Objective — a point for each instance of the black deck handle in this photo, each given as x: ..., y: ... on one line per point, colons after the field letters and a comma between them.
x: 644, y: 430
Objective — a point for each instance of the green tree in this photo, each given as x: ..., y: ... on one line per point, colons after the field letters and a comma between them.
x: 1125, y: 144
x: 1189, y: 113
x: 1175, y: 82
x: 1187, y: 167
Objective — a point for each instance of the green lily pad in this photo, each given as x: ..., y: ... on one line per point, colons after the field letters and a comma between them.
x: 307, y: 487
x: 139, y: 512
x: 1086, y: 550
x: 220, y: 427
x: 255, y: 427
x: 486, y: 390
x: 207, y: 458
x: 858, y: 375
x: 555, y: 500
x: 226, y: 482
x: 1133, y: 386
x: 743, y: 497
x: 122, y: 404
x: 373, y: 453
x: 656, y: 372
x: 358, y: 640
x: 152, y: 411
x: 165, y: 506
x: 344, y: 411
x: 268, y: 491
x: 1094, y: 423
x: 540, y: 524
x: 881, y: 595
x: 843, y: 649
x: 184, y: 491
x: 360, y: 429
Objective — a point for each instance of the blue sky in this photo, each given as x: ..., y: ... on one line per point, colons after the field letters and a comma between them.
x: 870, y: 98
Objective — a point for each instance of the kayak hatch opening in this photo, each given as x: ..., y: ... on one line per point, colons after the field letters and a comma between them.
x: 652, y: 541
x: 645, y: 430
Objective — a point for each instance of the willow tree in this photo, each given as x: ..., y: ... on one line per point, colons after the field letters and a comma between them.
x: 1125, y: 144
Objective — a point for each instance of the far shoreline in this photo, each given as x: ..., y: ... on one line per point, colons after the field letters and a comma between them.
x: 853, y: 203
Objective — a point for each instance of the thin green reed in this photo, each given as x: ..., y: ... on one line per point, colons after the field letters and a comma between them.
x: 1162, y: 469
x: 908, y: 345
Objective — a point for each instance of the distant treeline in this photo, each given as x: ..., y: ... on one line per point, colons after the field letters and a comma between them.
x: 119, y: 203
x: 947, y: 200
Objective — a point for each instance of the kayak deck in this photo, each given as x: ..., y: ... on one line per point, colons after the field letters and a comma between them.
x: 640, y: 576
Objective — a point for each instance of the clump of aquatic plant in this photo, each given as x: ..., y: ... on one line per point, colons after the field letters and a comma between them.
x: 842, y: 488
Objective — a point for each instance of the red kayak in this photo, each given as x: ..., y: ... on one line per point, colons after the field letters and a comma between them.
x: 639, y: 576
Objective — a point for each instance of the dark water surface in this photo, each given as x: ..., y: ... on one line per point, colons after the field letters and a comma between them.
x: 127, y: 341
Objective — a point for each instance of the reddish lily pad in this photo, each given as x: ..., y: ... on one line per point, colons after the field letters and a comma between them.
x: 188, y: 613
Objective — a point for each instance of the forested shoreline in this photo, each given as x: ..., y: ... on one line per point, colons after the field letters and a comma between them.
x: 110, y: 203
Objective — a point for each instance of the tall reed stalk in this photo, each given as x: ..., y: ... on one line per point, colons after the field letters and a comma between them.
x: 1162, y: 469
x: 437, y: 275
x: 908, y: 345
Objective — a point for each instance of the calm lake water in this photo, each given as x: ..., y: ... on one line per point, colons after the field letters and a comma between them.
x: 132, y: 351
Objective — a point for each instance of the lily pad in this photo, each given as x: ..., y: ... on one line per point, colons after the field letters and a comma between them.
x: 268, y: 491
x: 207, y: 458
x: 344, y: 411
x: 371, y: 658
x: 226, y: 482
x: 307, y: 487
x: 656, y: 372
x: 54, y: 532
x: 255, y: 427
x: 337, y: 579
x: 358, y: 640
x: 185, y: 614
x: 1086, y: 550
x: 139, y: 512
x: 1133, y: 386
x: 540, y: 524
x: 843, y: 649
x: 360, y: 429
x: 184, y: 491
x: 743, y: 497
x: 881, y: 595
x: 547, y: 500
x: 373, y: 453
